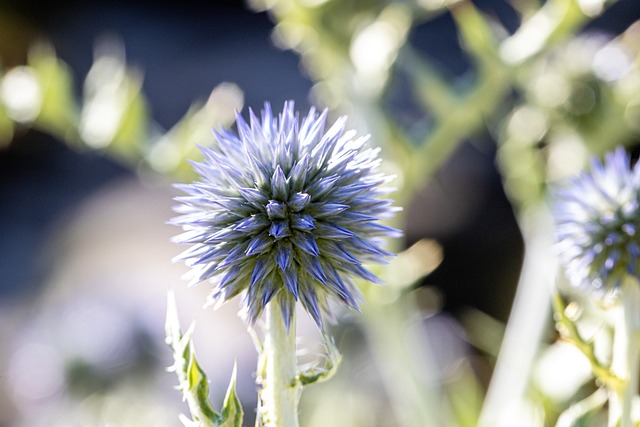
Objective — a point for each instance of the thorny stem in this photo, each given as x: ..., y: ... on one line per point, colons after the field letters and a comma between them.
x: 569, y: 332
x: 281, y: 391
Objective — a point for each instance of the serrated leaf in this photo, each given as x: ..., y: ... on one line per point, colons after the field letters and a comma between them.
x: 322, y: 373
x: 193, y: 380
x: 172, y: 324
x: 232, y: 413
x: 198, y: 388
x: 186, y: 422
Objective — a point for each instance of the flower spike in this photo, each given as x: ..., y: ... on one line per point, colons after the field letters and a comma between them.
x: 284, y: 209
x: 597, y: 218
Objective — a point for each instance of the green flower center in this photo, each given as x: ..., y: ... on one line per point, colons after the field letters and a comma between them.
x: 287, y: 216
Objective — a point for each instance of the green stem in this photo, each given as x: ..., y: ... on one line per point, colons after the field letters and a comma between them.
x: 625, y: 361
x: 527, y: 321
x: 281, y: 390
x: 569, y: 332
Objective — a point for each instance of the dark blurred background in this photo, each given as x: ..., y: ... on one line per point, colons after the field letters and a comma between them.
x: 60, y: 204
x: 184, y: 49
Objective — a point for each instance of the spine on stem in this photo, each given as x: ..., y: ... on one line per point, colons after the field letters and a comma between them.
x: 281, y: 389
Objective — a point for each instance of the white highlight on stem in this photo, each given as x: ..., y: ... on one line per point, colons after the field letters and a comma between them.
x: 625, y: 362
x: 281, y: 390
x: 506, y: 403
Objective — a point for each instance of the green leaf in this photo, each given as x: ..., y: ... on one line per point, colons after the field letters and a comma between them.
x: 169, y: 152
x: 172, y: 324
x: 326, y: 371
x: 569, y: 332
x: 580, y: 413
x: 231, y: 408
x: 475, y: 32
x: 198, y: 392
x: 193, y: 380
x: 133, y: 129
x: 465, y: 396
x: 59, y: 111
x: 114, y: 114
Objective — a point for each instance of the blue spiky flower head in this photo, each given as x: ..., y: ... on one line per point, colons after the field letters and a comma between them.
x: 284, y: 209
x: 597, y: 224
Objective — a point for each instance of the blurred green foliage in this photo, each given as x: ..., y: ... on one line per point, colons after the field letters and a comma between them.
x: 547, y: 93
x: 356, y: 52
x: 112, y: 115
x: 193, y: 381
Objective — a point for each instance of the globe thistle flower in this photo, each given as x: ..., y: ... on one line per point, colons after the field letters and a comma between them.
x: 285, y: 210
x: 597, y: 223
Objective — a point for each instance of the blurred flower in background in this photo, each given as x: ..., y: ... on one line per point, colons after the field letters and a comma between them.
x: 93, y: 120
x: 597, y: 224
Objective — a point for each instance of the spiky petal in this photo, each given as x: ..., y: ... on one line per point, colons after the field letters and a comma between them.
x: 598, y: 223
x: 285, y: 209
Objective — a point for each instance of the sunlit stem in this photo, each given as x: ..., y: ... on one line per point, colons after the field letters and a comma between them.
x: 527, y: 322
x: 626, y: 354
x: 280, y: 389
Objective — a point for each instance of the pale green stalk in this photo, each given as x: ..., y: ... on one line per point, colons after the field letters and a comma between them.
x: 626, y: 354
x: 281, y: 389
x: 526, y: 327
x: 416, y: 402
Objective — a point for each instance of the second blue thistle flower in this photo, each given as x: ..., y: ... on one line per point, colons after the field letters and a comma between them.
x: 597, y: 224
x: 286, y: 210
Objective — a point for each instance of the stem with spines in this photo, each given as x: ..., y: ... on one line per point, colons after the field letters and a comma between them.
x: 281, y: 389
